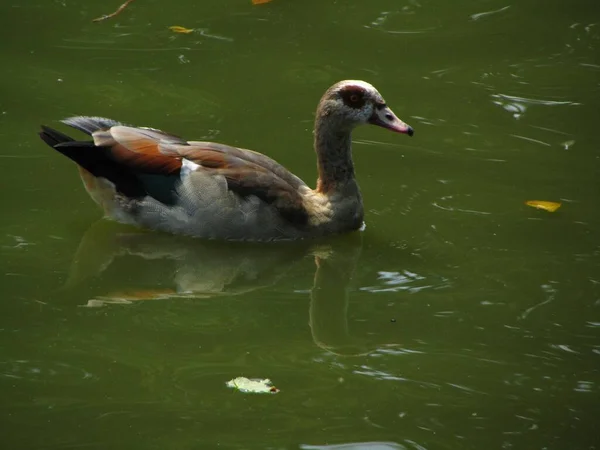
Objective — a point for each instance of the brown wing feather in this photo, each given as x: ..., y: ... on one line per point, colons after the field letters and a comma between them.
x: 270, y: 182
x: 270, y: 188
x: 138, y: 148
x: 251, y: 156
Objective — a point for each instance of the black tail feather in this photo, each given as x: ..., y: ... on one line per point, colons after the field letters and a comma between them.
x: 53, y: 137
x: 84, y: 153
x: 95, y: 160
x: 98, y: 161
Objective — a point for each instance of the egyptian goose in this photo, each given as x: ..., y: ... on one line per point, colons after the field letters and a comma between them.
x: 153, y: 179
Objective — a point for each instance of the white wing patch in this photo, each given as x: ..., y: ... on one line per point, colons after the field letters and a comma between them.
x: 187, y: 167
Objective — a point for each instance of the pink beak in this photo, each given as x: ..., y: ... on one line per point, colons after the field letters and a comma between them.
x: 384, y: 117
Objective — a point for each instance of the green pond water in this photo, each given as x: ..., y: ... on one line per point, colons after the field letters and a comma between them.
x: 459, y: 319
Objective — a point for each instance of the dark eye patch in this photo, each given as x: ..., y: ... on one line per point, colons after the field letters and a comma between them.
x: 353, y: 96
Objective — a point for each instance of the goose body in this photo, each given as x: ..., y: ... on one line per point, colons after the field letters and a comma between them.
x: 156, y: 180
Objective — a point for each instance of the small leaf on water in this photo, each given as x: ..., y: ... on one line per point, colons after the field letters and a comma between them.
x: 178, y: 29
x: 252, y: 385
x: 547, y: 206
x: 260, y: 2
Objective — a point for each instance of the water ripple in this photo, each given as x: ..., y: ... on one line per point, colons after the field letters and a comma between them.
x: 518, y: 105
x: 564, y: 348
x: 383, y: 17
x: 531, y: 140
x: 42, y: 371
x: 478, y: 16
x: 402, y: 281
x: 357, y: 446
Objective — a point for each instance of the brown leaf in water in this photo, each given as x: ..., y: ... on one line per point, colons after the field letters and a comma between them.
x: 118, y: 11
x: 260, y: 2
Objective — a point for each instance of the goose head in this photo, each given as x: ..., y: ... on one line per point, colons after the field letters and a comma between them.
x: 350, y: 103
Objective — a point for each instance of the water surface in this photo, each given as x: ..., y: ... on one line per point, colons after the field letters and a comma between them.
x: 460, y: 318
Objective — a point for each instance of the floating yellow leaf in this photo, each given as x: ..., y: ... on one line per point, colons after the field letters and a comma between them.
x: 178, y: 29
x: 260, y: 2
x: 547, y: 206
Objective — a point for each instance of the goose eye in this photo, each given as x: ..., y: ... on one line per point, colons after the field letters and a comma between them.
x: 353, y: 98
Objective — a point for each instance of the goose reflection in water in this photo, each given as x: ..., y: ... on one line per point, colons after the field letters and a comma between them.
x: 191, y: 268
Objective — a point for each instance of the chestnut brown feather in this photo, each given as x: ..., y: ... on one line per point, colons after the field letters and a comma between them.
x: 149, y: 162
x: 246, y: 177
